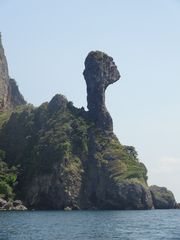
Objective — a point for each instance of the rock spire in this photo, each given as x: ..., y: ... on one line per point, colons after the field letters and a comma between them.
x: 100, y: 71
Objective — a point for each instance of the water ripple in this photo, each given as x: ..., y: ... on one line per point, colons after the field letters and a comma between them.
x: 86, y: 225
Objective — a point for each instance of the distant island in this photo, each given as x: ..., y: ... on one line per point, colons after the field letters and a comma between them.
x: 59, y: 157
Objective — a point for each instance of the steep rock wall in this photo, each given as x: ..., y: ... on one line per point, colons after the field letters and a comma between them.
x: 10, y: 96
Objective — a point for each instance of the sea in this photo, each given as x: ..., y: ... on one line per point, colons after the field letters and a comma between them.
x: 85, y: 225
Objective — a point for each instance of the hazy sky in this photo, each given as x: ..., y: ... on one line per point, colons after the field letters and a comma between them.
x: 46, y: 42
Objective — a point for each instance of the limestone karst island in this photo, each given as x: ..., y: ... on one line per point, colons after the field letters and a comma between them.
x: 59, y: 157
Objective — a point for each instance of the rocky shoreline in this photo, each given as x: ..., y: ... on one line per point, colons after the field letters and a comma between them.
x: 16, y: 205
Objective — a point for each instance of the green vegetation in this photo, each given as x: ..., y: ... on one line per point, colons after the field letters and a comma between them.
x: 8, y: 177
x: 121, y: 161
x: 39, y: 138
x: 42, y: 139
x: 4, y: 116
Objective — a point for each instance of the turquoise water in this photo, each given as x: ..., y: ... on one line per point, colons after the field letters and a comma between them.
x: 85, y: 225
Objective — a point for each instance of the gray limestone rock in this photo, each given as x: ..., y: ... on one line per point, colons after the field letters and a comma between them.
x: 100, y: 71
x: 162, y: 198
x: 10, y: 96
x: 2, y: 203
x: 16, y: 205
x: 58, y: 102
x: 178, y: 206
x: 4, y: 78
x: 129, y: 196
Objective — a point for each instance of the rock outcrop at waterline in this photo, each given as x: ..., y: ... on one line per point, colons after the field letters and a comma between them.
x: 16, y: 205
x: 162, y: 198
x: 61, y: 157
x: 10, y: 96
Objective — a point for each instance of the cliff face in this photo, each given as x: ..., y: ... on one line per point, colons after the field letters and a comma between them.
x: 66, y: 157
x: 10, y: 96
x: 67, y: 161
